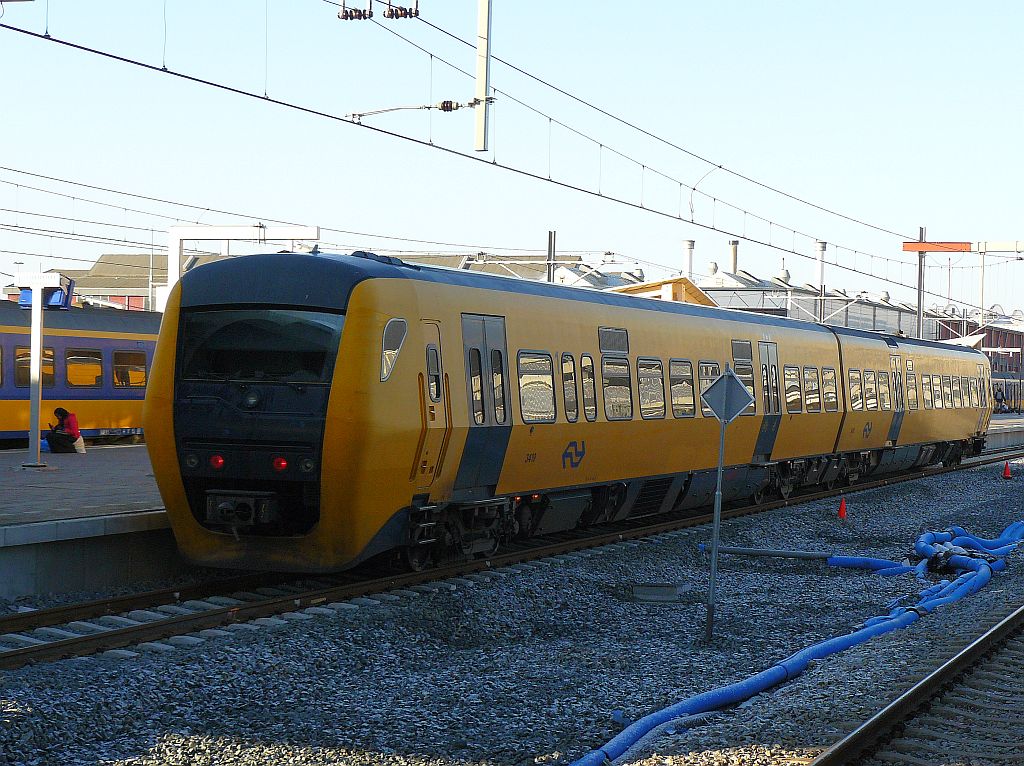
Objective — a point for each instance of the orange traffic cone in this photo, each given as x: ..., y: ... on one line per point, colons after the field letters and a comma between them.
x: 1006, y: 471
x: 842, y: 509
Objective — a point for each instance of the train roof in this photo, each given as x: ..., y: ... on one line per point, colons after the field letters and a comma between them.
x: 96, y: 318
x: 327, y: 279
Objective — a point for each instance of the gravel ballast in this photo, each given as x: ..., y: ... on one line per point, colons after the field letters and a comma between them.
x: 536, y: 664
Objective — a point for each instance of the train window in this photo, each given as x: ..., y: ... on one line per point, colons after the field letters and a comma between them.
x: 884, y: 392
x: 791, y: 379
x: 742, y: 351
x: 912, y: 390
x: 870, y: 390
x: 536, y: 387
x: 828, y: 389
x: 22, y: 366
x: 937, y: 392
x: 612, y: 340
x: 856, y: 391
x: 773, y: 374
x: 965, y: 385
x: 476, y: 385
x: 926, y: 391
x: 975, y: 400
x: 270, y: 345
x: 650, y: 376
x: 812, y: 394
x: 707, y: 372
x: 745, y: 372
x: 618, y: 388
x: 498, y: 384
x: 958, y: 400
x: 433, y: 373
x: 983, y: 391
x: 589, y: 386
x: 83, y: 367
x: 947, y: 392
x: 130, y: 369
x: 766, y: 388
x: 572, y: 407
x: 680, y: 374
x: 391, y: 344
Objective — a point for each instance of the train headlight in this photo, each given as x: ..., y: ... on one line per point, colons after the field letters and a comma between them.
x: 251, y: 400
x: 216, y: 462
x: 279, y: 463
x: 192, y: 460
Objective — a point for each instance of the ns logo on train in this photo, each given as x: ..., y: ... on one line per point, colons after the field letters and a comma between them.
x: 573, y: 454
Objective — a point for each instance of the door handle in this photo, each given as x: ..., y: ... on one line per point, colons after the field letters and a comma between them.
x: 433, y: 413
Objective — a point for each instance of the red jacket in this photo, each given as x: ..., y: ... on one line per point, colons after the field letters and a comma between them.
x: 70, y: 425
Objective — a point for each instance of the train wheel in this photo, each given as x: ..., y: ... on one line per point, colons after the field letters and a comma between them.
x: 757, y: 498
x: 419, y: 558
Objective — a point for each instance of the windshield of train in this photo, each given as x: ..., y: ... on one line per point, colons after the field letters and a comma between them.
x: 267, y: 344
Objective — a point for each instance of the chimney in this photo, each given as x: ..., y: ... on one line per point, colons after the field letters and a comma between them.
x: 734, y: 256
x: 689, y: 257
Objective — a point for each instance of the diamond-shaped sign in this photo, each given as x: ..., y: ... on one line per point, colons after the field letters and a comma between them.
x: 727, y: 396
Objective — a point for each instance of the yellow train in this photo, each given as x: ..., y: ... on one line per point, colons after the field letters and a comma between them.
x: 95, y: 362
x: 308, y: 412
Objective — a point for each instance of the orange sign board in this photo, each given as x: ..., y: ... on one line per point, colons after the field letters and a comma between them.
x: 937, y: 247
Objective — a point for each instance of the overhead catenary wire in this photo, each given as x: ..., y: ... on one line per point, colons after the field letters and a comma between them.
x: 644, y: 167
x: 447, y: 150
x: 208, y: 209
x: 665, y: 141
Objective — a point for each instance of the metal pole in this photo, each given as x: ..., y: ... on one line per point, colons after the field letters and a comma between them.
x: 710, y: 625
x: 821, y: 281
x: 982, y: 301
x: 551, y: 257
x: 483, y: 72
x: 689, y: 258
x: 35, y: 380
x: 920, y: 285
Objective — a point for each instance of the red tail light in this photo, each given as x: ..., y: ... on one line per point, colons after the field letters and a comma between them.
x: 279, y: 463
x: 216, y: 462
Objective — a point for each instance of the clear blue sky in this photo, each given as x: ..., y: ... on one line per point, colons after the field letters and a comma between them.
x: 899, y: 114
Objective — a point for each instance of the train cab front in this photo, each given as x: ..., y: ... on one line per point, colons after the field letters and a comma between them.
x: 250, y: 399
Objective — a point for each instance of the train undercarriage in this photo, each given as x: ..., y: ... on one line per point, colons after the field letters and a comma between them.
x: 449, y: 532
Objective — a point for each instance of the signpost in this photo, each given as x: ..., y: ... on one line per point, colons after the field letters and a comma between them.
x: 727, y: 397
x: 43, y: 288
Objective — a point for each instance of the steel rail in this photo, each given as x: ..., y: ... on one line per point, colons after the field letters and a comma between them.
x: 542, y: 548
x: 85, y: 610
x: 880, y: 727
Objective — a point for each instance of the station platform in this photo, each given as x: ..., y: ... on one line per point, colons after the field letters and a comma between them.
x: 84, y: 521
x: 1005, y: 430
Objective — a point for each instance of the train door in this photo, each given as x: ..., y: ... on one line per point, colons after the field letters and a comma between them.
x: 768, y: 359
x: 983, y: 400
x: 435, y: 405
x: 897, y: 399
x: 486, y: 362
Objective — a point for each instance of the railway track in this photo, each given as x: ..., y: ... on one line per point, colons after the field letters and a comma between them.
x: 81, y: 629
x: 970, y: 710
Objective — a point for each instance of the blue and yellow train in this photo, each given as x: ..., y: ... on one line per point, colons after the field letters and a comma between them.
x: 95, y: 364
x: 306, y: 412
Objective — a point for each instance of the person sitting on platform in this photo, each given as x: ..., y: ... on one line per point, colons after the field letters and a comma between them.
x: 65, y: 436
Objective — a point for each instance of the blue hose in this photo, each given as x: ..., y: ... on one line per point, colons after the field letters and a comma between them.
x: 975, y: 573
